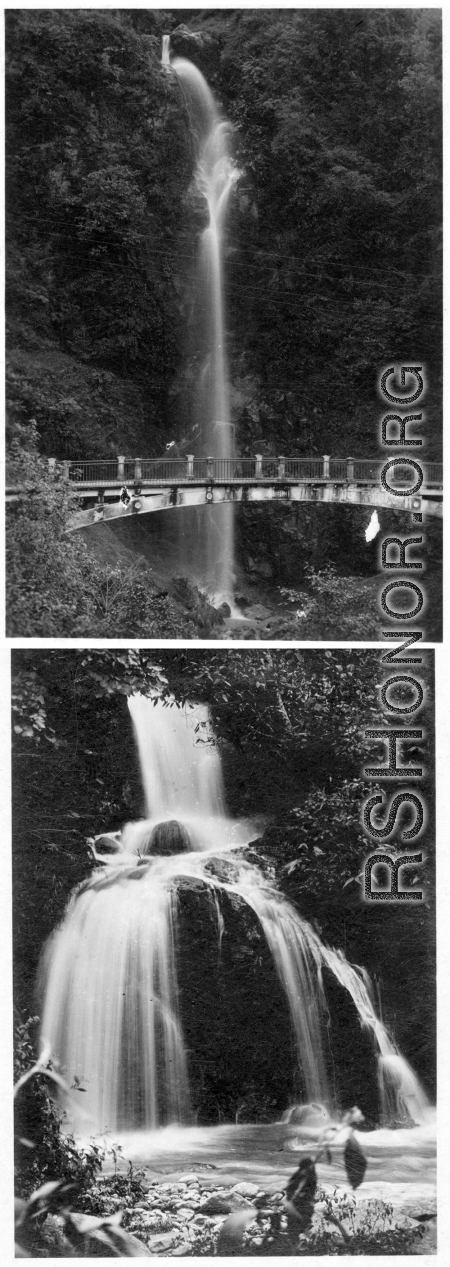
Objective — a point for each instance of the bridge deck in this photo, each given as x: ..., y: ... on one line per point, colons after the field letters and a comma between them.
x: 157, y: 484
x: 194, y: 471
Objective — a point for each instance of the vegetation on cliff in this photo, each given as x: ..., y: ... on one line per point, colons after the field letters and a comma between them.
x: 332, y: 264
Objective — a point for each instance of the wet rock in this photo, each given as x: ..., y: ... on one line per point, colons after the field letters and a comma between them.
x: 216, y: 1205
x: 225, y: 610
x: 246, y: 1189
x: 310, y: 1113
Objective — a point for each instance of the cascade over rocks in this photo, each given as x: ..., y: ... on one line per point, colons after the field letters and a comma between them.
x: 121, y: 973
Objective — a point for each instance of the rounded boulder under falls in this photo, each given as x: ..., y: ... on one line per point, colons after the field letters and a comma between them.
x: 168, y: 838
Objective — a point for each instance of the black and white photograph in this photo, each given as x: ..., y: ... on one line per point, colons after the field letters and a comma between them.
x: 224, y: 934
x: 224, y: 378
x: 224, y: 953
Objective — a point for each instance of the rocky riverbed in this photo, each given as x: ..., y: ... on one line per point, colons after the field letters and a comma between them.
x: 172, y: 1209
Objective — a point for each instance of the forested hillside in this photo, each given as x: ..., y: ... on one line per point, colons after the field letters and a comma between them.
x: 332, y: 264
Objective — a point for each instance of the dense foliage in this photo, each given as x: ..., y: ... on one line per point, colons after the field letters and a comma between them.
x: 333, y: 264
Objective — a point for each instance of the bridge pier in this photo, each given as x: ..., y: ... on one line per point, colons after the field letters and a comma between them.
x: 190, y: 465
x: 326, y: 466
x: 350, y: 468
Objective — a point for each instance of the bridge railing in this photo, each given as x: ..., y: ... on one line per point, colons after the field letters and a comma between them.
x: 189, y: 468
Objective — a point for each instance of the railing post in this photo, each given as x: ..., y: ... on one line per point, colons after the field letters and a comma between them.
x: 66, y: 470
x: 326, y: 467
x: 281, y: 468
x: 190, y: 465
x: 138, y: 470
x: 121, y: 468
x: 258, y: 466
x: 210, y: 468
x: 51, y: 465
x: 350, y: 468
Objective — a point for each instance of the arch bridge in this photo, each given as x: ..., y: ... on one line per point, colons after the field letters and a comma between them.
x: 165, y: 484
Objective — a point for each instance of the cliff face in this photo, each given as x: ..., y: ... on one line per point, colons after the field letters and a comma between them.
x: 331, y: 260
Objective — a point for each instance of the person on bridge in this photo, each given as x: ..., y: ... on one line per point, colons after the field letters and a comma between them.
x: 125, y: 496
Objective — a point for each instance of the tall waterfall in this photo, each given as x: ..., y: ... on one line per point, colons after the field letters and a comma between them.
x: 109, y: 973
x: 214, y: 178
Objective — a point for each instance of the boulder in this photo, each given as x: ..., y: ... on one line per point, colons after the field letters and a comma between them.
x: 216, y: 1205
x: 245, y: 1189
x: 258, y: 612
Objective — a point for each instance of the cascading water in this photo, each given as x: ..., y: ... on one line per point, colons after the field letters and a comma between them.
x: 111, y: 1011
x: 214, y: 178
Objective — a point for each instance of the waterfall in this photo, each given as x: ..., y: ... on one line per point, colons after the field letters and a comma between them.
x: 165, y: 57
x: 109, y: 973
x: 215, y: 175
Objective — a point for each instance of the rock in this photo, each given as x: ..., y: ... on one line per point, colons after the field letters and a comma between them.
x: 419, y: 1206
x: 185, y: 1248
x: 184, y: 1213
x: 310, y: 1113
x: 190, y: 1177
x: 216, y: 1205
x: 225, y: 610
x: 162, y: 1240
x: 258, y: 612
x: 246, y: 1189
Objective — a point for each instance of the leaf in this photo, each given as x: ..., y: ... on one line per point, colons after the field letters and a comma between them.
x: 45, y: 1191
x: 355, y: 1162
x: 300, y: 1193
x: 232, y: 1231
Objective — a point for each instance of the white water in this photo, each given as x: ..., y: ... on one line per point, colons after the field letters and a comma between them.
x: 165, y: 58
x: 215, y: 176
x: 111, y: 1011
